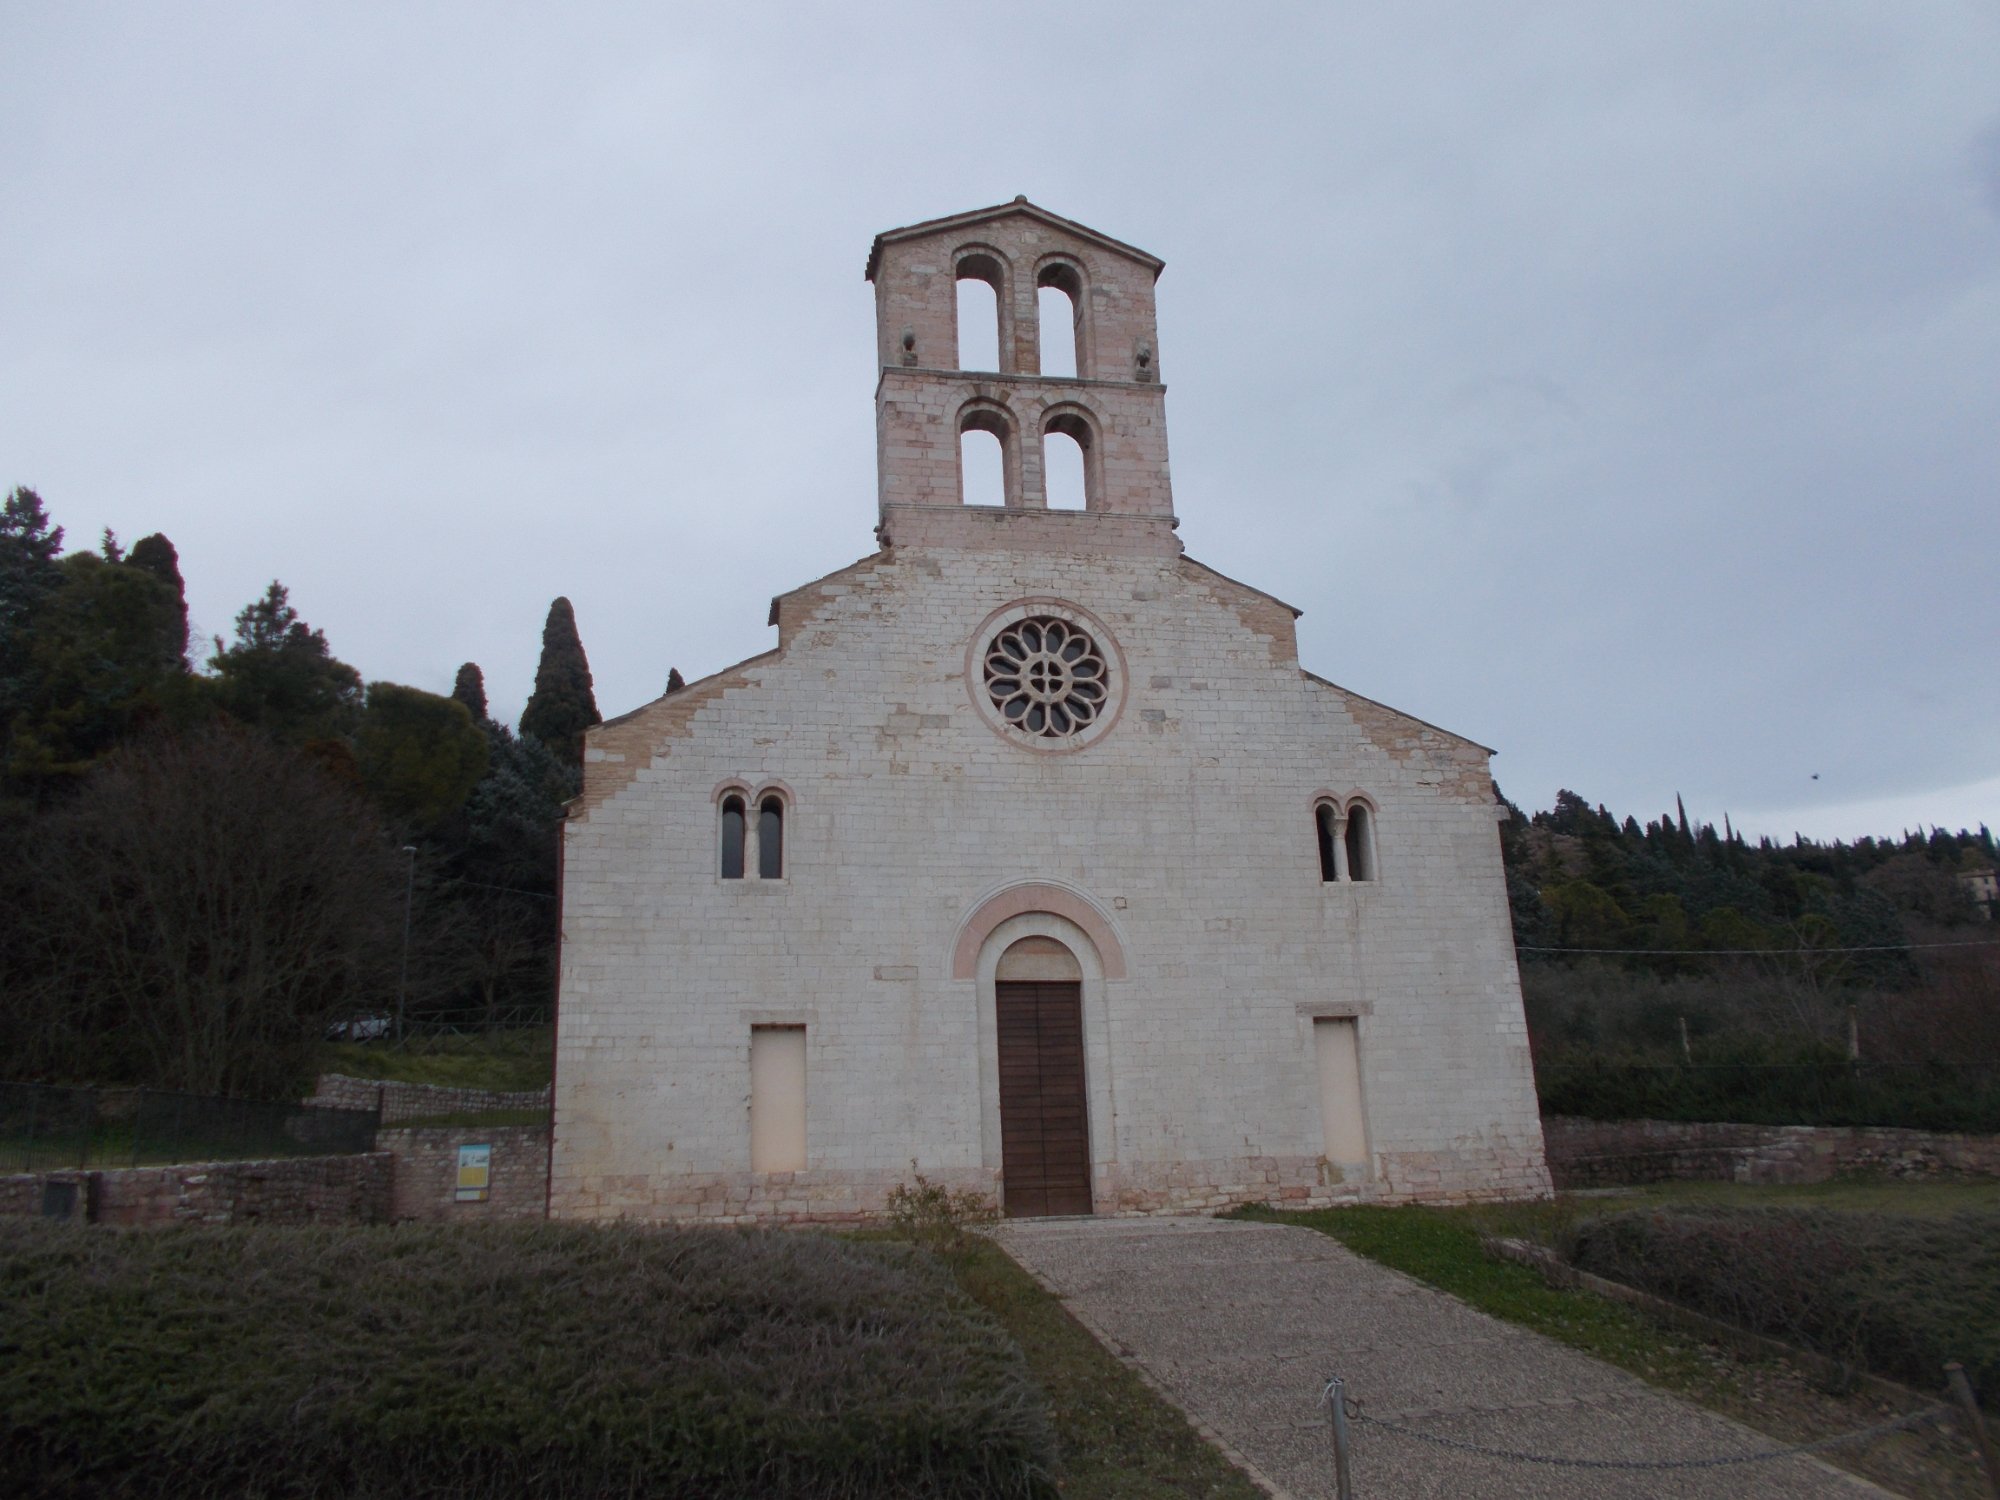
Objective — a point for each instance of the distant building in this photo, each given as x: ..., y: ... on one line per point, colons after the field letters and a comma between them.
x: 1984, y: 888
x: 1030, y: 854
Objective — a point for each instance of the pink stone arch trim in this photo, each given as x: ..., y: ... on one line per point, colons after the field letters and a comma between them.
x: 1018, y: 901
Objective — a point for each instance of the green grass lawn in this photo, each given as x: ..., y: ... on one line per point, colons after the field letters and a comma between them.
x: 509, y: 1061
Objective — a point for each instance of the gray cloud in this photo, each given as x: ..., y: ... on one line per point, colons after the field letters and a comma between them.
x: 1616, y: 387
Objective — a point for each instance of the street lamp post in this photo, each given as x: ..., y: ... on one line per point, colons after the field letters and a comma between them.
x: 409, y: 900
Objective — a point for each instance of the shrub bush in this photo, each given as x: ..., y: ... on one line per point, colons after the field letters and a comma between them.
x: 529, y: 1360
x: 1899, y: 1296
x: 930, y: 1214
x: 1822, y: 1091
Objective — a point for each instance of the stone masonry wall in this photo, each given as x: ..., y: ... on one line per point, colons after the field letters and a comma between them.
x: 1187, y: 830
x: 1615, y: 1153
x: 296, y: 1190
x: 414, y: 1101
x: 427, y: 1171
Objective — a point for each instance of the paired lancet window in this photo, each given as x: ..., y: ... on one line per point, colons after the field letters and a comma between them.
x: 1346, y: 834
x: 991, y: 469
x: 751, y: 835
x: 985, y: 317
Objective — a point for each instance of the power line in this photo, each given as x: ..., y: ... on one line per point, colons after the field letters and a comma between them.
x: 1750, y: 952
x: 509, y: 889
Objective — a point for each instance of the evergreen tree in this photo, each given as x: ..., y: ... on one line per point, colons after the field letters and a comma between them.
x: 28, y: 575
x: 280, y: 675
x: 675, y: 682
x: 91, y: 664
x: 563, y: 705
x: 28, y: 550
x: 156, y: 555
x: 470, y: 689
x: 513, y: 814
x: 419, y: 755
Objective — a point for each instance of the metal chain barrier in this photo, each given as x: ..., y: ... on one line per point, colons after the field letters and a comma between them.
x: 1342, y: 1409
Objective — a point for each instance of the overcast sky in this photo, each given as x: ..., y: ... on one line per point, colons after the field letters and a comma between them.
x: 1618, y: 386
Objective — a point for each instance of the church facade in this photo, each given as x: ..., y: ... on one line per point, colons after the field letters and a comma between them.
x: 1030, y: 858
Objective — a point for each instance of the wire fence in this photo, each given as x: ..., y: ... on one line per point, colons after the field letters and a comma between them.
x: 47, y: 1128
x: 1343, y: 1412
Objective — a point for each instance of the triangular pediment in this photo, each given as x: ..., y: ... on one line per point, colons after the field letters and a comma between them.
x: 1019, y: 208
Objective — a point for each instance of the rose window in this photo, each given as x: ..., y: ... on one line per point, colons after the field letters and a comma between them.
x: 1046, y: 677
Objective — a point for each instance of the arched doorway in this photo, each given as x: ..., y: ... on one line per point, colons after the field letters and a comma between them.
x: 1044, y: 1111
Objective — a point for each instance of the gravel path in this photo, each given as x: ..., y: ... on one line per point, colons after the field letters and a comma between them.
x: 1241, y: 1324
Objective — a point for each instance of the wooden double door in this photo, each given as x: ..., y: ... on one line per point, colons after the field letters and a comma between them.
x: 1044, y: 1116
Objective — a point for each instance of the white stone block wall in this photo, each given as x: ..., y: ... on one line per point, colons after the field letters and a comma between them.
x: 1187, y: 831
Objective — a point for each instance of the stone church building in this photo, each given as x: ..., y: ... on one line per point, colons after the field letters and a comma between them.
x: 1030, y: 856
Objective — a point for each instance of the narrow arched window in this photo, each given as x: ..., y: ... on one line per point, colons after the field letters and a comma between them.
x: 771, y: 839
x: 979, y: 332
x: 1059, y: 319
x: 732, y: 838
x: 1069, y: 462
x: 1323, y: 820
x: 1360, y: 843
x: 982, y: 467
x: 1064, y: 481
x: 1057, y: 316
x: 987, y: 461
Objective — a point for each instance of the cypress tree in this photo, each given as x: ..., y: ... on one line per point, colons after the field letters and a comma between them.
x: 675, y: 682
x: 562, y: 705
x: 156, y: 555
x: 470, y: 689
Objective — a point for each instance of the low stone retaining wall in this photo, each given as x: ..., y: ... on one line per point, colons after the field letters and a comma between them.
x: 294, y: 1190
x: 1620, y: 1153
x: 427, y: 1171
x: 415, y: 1101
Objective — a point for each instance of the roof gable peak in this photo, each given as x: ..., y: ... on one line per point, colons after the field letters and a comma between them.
x: 1020, y: 207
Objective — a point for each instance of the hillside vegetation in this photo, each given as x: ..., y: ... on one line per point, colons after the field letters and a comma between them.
x: 1678, y: 971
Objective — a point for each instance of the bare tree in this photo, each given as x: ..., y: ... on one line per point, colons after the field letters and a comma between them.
x: 205, y: 904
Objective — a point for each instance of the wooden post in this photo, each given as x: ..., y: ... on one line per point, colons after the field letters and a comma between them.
x: 1961, y: 1390
x: 1687, y: 1052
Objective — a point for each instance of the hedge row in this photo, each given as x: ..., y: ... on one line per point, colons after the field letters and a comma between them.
x: 517, y: 1361
x: 1916, y: 1096
x: 1896, y: 1295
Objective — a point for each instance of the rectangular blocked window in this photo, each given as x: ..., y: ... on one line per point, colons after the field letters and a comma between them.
x: 1334, y: 1043
x: 777, y: 1098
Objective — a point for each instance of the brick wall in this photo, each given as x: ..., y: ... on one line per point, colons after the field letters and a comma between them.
x: 414, y: 1101
x: 427, y: 1171
x: 298, y: 1190
x: 1611, y: 1153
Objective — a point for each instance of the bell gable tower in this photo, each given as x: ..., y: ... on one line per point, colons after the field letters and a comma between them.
x: 1114, y: 407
